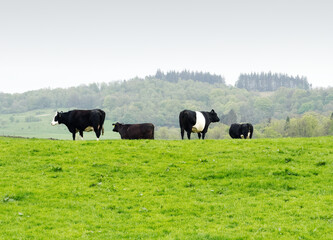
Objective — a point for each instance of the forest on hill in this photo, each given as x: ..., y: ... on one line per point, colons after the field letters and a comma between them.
x: 160, y: 98
x: 264, y: 82
x: 173, y: 76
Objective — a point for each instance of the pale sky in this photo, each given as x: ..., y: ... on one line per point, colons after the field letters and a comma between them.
x: 50, y: 44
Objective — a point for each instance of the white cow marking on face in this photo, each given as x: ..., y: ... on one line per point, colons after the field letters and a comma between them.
x: 200, y: 123
x: 53, y: 123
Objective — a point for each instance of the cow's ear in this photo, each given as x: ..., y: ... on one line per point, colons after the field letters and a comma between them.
x: 212, y: 111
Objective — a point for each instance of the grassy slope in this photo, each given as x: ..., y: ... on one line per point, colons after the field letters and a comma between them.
x: 211, y: 189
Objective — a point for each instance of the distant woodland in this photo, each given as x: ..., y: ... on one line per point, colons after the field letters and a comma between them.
x: 174, y: 76
x: 160, y: 98
x: 264, y: 82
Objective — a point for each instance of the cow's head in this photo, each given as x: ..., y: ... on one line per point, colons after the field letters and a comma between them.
x: 116, y: 126
x: 213, y: 116
x: 56, y: 118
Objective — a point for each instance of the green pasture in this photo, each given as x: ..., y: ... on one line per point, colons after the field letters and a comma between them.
x: 37, y: 124
x: 159, y: 189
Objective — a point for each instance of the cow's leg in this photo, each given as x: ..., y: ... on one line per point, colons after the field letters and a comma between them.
x: 97, y: 130
x: 81, y: 134
x: 73, y: 135
x: 203, y: 135
x: 188, y: 134
x: 199, y: 135
x: 182, y: 130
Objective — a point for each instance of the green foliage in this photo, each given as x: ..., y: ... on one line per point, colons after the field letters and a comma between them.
x: 308, y: 125
x: 229, y: 118
x: 159, y: 101
x: 225, y: 189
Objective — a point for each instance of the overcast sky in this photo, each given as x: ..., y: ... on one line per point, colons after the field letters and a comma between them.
x: 49, y: 44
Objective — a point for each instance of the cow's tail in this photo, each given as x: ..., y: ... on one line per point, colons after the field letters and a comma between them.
x: 102, y: 122
x: 182, y: 115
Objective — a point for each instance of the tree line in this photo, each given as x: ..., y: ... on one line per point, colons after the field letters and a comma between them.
x: 264, y: 82
x: 173, y: 76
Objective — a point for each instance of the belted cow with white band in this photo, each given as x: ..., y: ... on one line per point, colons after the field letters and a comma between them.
x: 196, y: 122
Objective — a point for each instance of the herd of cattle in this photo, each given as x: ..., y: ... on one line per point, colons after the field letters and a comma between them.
x: 189, y: 121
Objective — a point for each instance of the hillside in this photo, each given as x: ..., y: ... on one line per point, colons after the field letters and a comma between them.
x: 214, y: 189
x: 159, y: 99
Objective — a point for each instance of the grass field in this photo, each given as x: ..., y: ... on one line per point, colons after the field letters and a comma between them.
x: 38, y: 124
x: 211, y: 189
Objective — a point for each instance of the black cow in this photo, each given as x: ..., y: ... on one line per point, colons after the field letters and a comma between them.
x: 196, y: 122
x: 134, y: 131
x: 243, y: 130
x: 81, y: 120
